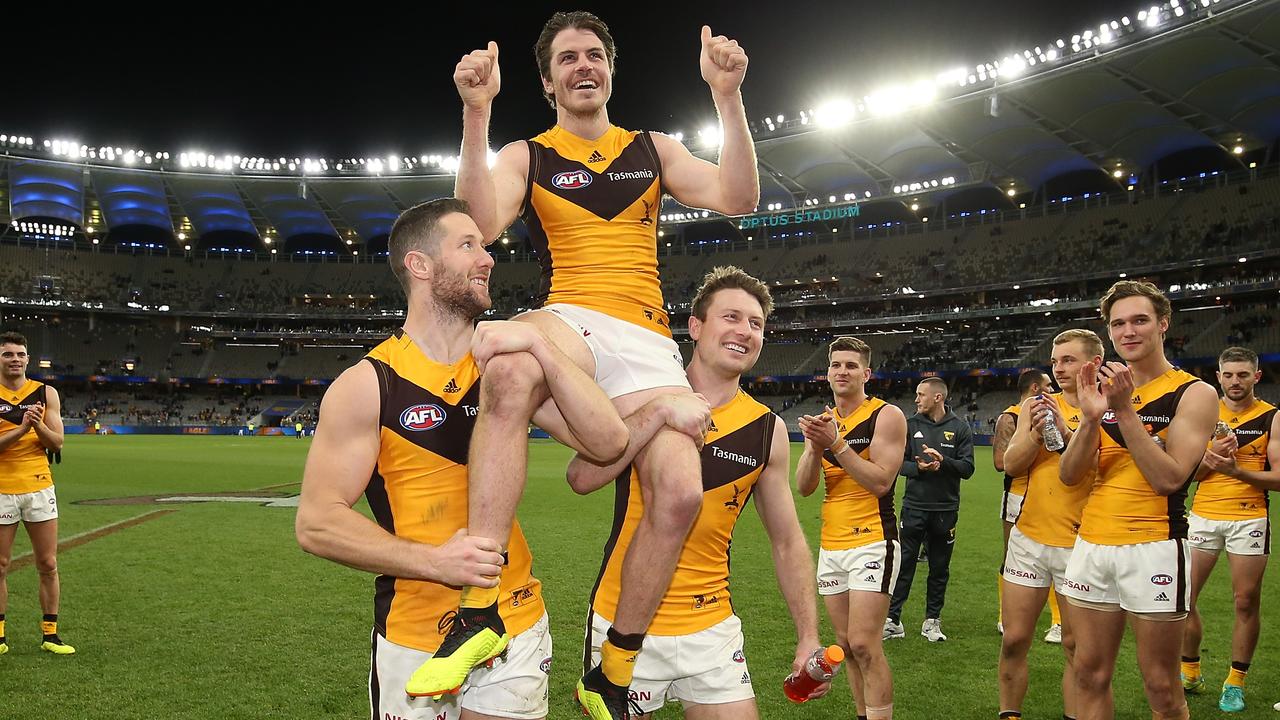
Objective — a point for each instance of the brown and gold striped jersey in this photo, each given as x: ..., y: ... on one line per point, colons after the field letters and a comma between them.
x: 735, y: 453
x: 418, y: 491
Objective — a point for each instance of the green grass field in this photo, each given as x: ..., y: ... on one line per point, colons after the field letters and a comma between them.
x: 212, y: 611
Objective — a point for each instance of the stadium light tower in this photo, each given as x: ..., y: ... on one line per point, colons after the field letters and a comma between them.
x: 834, y: 113
x: 710, y: 136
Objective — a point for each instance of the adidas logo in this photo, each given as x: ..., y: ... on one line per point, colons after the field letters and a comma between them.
x: 713, y: 427
x: 918, y: 434
x: 595, y: 157
x: 1074, y: 419
x: 1256, y: 546
x: 1162, y: 598
x: 1235, y: 421
x: 869, y: 578
x: 746, y: 678
x: 1137, y: 399
x: 452, y: 387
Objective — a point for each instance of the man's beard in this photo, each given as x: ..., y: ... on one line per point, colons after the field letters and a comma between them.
x: 453, y: 297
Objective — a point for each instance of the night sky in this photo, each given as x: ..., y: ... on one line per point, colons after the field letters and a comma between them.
x: 296, y: 82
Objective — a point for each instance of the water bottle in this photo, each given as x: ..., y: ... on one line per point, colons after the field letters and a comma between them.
x: 1221, y: 430
x: 819, y: 668
x: 1051, y: 434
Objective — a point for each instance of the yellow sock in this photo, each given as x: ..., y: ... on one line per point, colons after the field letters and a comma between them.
x: 477, y: 598
x: 1236, y: 677
x: 1054, y: 612
x: 1191, y: 669
x: 617, y: 664
x: 49, y: 627
x: 1, y: 628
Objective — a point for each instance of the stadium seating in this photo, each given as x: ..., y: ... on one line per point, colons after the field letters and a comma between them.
x: 186, y: 312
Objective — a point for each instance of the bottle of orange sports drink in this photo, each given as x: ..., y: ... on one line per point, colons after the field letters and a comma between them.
x: 819, y: 668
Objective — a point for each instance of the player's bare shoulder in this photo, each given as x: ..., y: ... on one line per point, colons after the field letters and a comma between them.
x: 513, y: 158
x: 668, y: 146
x: 892, y: 419
x: 1199, y: 395
x: 780, y: 450
x: 355, y: 391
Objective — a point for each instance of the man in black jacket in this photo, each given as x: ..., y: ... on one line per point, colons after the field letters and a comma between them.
x: 939, y: 455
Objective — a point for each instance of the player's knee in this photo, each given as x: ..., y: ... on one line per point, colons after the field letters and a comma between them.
x: 1091, y: 677
x: 1014, y: 643
x: 512, y: 380
x: 677, y: 506
x: 1160, y: 690
x: 862, y: 650
x: 47, y: 565
x: 676, y: 491
x: 1247, y: 603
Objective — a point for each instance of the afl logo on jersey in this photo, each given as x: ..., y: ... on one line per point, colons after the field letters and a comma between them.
x: 4, y: 408
x: 1109, y: 417
x: 571, y: 180
x: 1161, y: 579
x: 422, y: 417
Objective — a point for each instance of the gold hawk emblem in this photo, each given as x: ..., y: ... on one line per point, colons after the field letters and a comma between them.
x: 948, y: 435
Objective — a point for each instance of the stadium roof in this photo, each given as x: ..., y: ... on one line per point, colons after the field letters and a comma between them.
x: 1213, y: 83
x: 1119, y: 105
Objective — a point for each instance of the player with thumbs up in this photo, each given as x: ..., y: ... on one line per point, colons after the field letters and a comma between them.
x: 590, y: 194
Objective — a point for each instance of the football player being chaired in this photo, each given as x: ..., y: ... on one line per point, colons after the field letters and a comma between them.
x: 694, y: 653
x: 1144, y: 425
x: 589, y: 193
x: 30, y: 426
x: 395, y: 428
